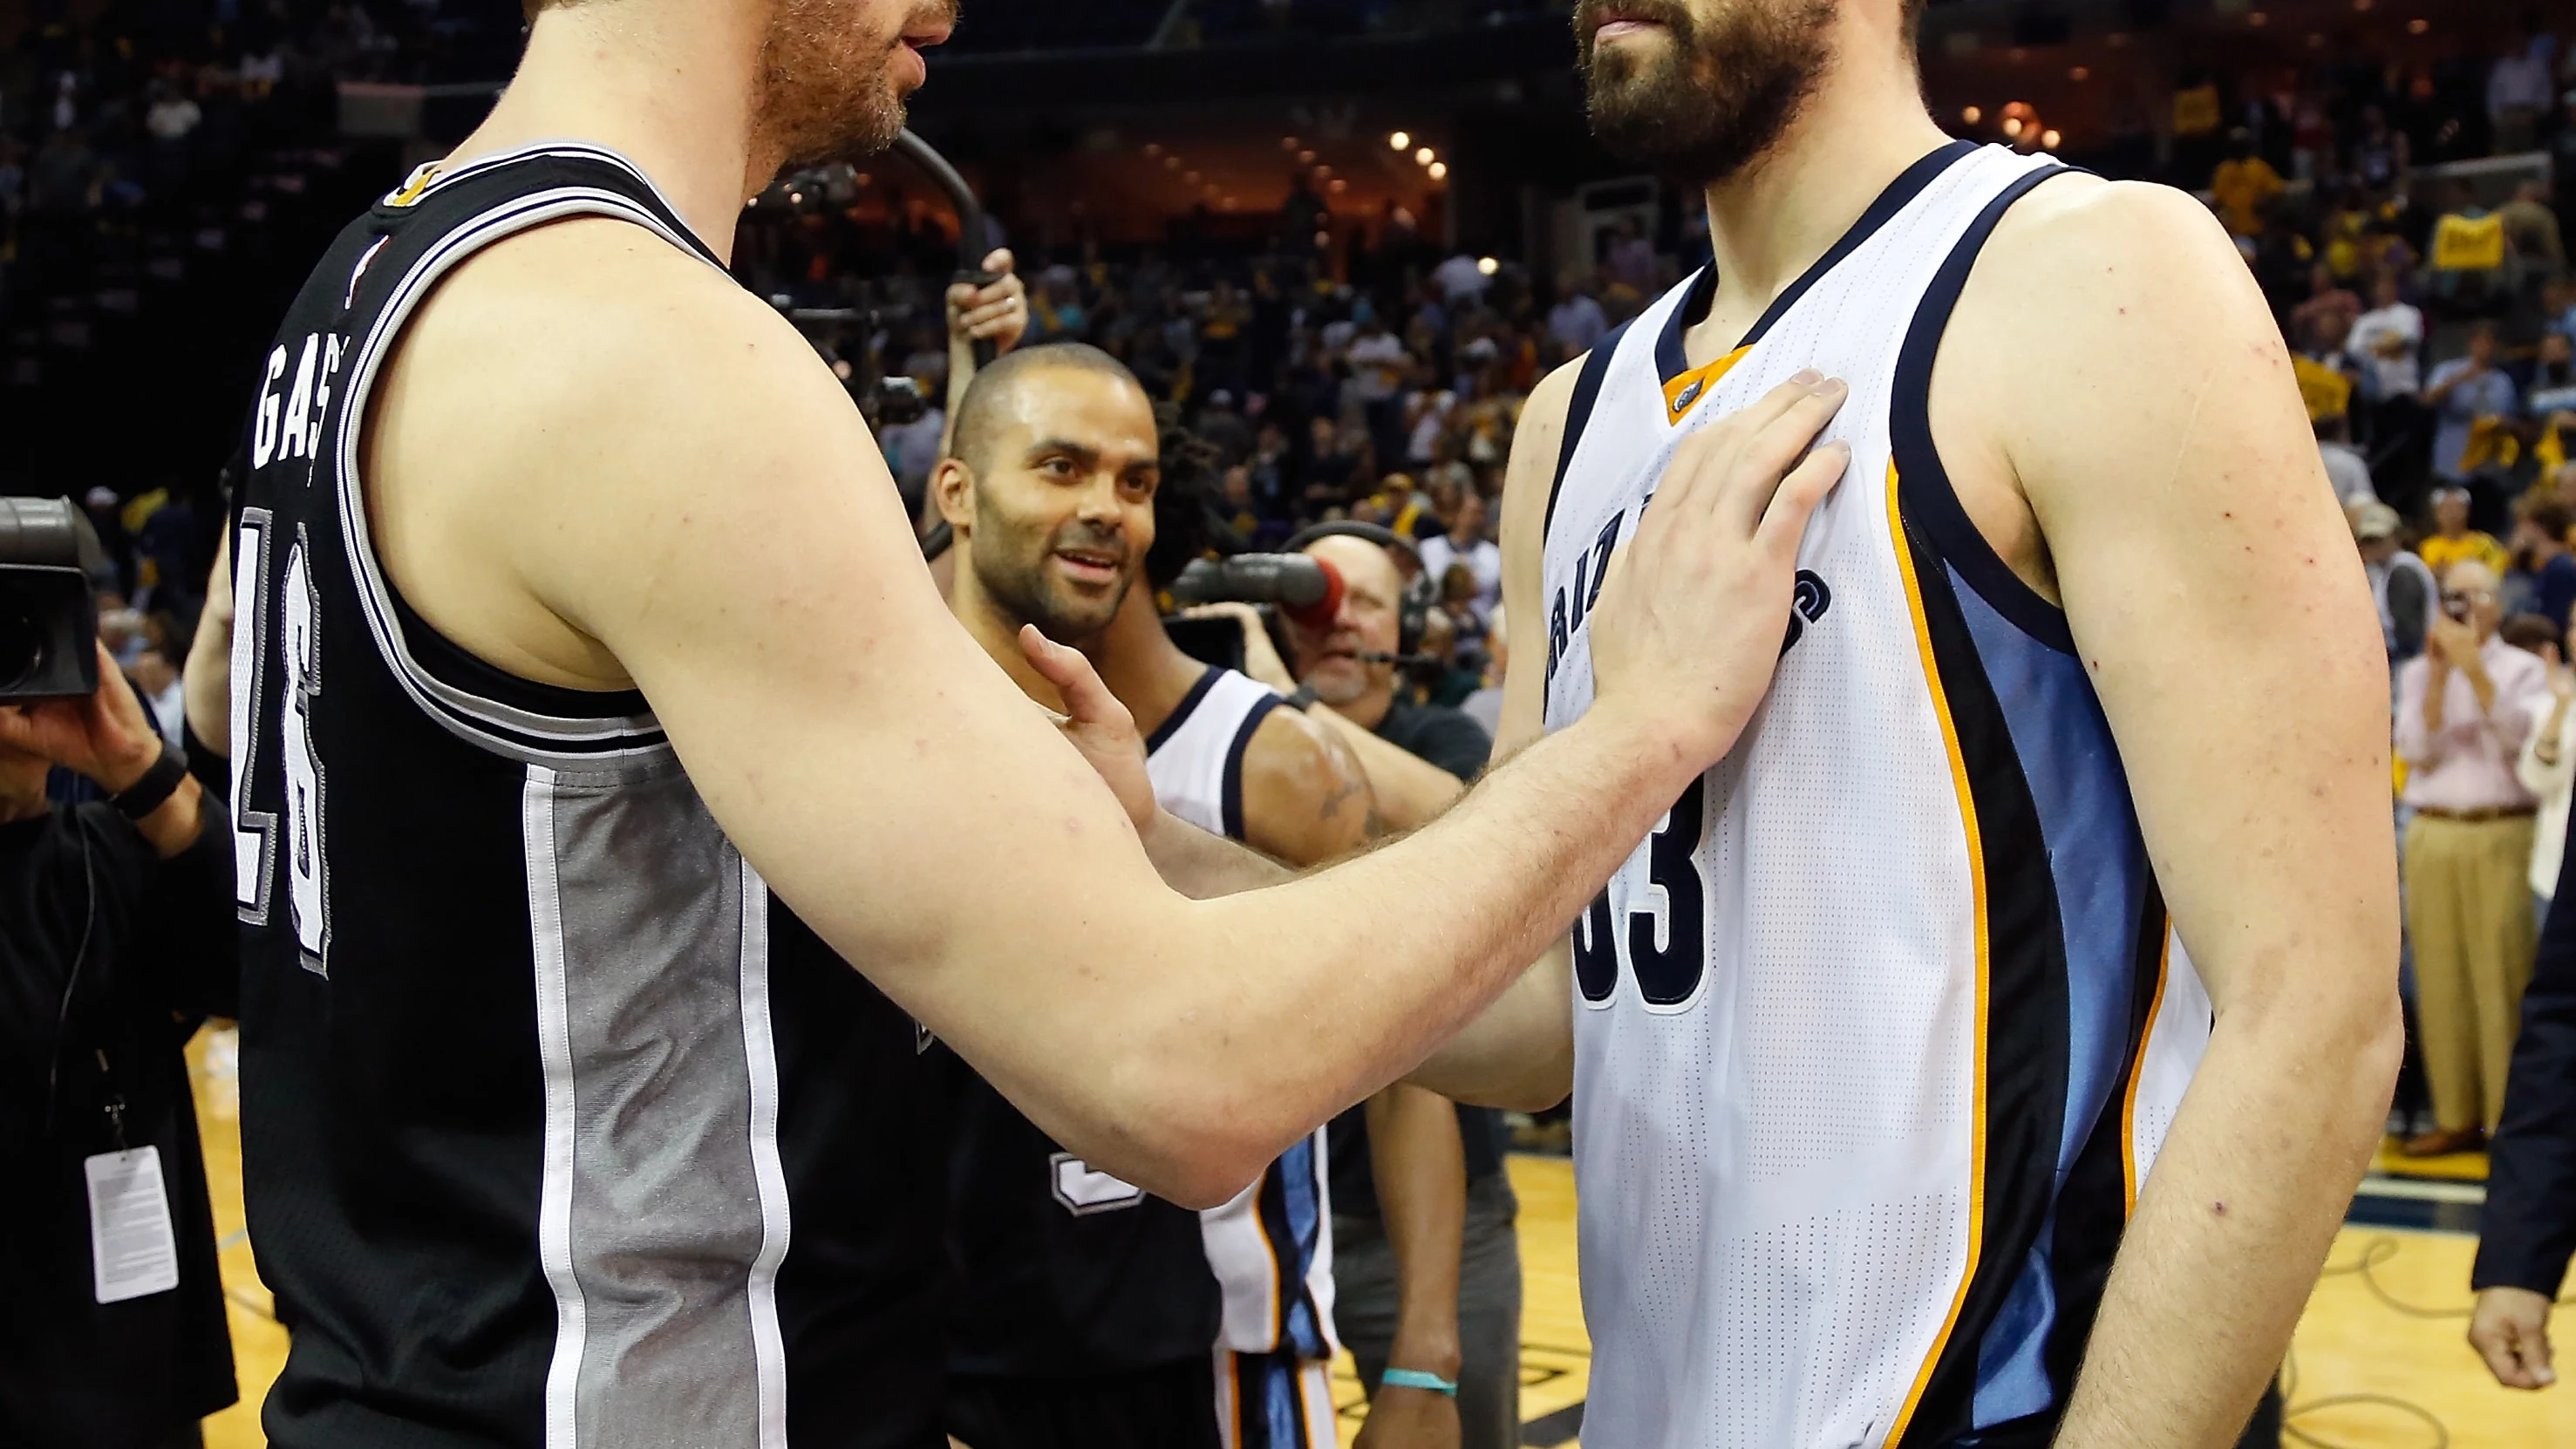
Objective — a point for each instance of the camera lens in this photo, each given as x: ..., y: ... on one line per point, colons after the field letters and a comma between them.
x: 22, y: 638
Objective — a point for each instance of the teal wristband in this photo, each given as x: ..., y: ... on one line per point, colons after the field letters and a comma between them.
x: 1396, y: 1378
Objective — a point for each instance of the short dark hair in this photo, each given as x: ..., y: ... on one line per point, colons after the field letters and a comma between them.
x: 994, y: 380
x: 2553, y: 519
x: 2528, y: 632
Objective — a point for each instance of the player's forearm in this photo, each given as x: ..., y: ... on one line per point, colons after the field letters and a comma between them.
x: 1420, y: 1167
x: 1346, y: 978
x: 1519, y: 1053
x: 1204, y: 866
x: 2235, y: 1220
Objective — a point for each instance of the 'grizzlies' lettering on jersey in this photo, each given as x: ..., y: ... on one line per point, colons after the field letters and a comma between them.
x: 1879, y: 1029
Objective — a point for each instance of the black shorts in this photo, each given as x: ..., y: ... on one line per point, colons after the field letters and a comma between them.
x: 1172, y: 1407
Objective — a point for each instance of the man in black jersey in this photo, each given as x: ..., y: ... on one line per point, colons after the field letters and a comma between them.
x: 1087, y: 1318
x: 621, y: 811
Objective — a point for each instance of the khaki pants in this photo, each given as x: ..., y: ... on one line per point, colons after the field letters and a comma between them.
x: 2468, y: 911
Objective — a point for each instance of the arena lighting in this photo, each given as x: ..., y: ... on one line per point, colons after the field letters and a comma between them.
x: 1153, y: 148
x: 2258, y: 19
x: 1488, y: 265
x: 1398, y: 141
x: 1972, y: 115
x: 1306, y: 158
x: 1171, y: 163
x: 1338, y: 186
x: 2360, y: 4
x: 1287, y: 143
x: 2012, y: 125
x: 2081, y: 72
x: 2048, y: 140
x: 1323, y: 239
x: 1423, y: 157
x: 2119, y: 39
x: 2316, y: 40
x: 796, y: 198
x: 2418, y: 27
x: 1323, y: 172
x: 859, y: 178
x: 1439, y: 169
x: 1191, y: 177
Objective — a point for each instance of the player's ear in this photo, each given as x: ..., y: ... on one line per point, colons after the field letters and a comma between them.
x: 952, y: 489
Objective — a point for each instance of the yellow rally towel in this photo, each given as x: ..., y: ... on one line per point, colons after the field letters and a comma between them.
x: 2328, y: 393
x: 2462, y: 244
x: 2491, y: 445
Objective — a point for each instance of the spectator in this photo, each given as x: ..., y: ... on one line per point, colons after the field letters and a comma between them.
x: 2388, y: 342
x: 2382, y: 158
x: 2540, y: 536
x: 1466, y: 544
x: 163, y: 697
x: 1223, y: 428
x: 2464, y: 709
x: 2346, y: 470
x: 1485, y: 706
x: 2519, y: 89
x: 116, y: 938
x: 1462, y: 280
x: 2244, y: 184
x: 2531, y: 232
x: 1575, y: 321
x: 2400, y: 582
x: 2453, y: 541
x: 2462, y: 393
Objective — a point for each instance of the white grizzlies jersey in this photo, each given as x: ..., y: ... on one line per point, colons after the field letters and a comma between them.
x: 1876, y: 1035
x: 1272, y: 1247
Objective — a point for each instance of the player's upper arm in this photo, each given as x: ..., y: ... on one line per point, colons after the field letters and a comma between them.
x: 696, y: 493
x: 1529, y: 481
x: 1305, y: 799
x: 2148, y: 410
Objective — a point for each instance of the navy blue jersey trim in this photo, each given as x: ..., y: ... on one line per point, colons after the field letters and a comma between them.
x: 1233, y: 803
x: 1909, y: 184
x: 2027, y: 1031
x: 1578, y: 411
x: 1924, y: 495
x: 2093, y: 1204
x: 1180, y: 714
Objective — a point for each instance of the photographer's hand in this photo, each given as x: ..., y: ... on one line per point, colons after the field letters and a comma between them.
x: 103, y: 734
x: 997, y: 312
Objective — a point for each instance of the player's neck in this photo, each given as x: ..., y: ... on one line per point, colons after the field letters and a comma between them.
x: 669, y: 84
x: 995, y: 628
x: 1149, y: 673
x: 1771, y: 221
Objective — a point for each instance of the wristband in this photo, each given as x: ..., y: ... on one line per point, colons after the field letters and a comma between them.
x: 158, y: 783
x: 1397, y: 1378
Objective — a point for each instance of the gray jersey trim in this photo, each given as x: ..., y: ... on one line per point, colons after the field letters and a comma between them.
x: 663, y: 1214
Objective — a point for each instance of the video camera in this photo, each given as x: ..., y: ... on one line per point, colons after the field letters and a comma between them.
x: 48, y: 618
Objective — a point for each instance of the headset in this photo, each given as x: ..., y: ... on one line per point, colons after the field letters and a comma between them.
x: 1412, y: 608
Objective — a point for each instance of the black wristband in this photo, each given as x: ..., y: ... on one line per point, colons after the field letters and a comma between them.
x: 147, y: 794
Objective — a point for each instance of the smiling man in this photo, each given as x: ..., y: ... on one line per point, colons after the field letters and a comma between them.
x: 1983, y: 1053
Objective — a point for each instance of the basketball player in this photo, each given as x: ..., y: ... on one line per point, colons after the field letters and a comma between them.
x: 1087, y: 1310
x: 2079, y: 737
x: 621, y: 812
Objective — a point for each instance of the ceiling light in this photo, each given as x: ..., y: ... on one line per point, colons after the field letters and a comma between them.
x: 1972, y: 115
x: 2048, y: 140
x: 1488, y: 265
x: 1399, y: 141
x: 1439, y: 169
x: 1423, y: 157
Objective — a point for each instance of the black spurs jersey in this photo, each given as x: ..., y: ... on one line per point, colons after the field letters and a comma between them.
x: 560, y: 1130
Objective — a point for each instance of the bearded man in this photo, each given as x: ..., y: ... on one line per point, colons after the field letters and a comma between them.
x: 1985, y: 1051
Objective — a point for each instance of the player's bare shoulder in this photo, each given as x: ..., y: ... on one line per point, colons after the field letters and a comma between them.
x: 557, y: 398
x: 1306, y: 796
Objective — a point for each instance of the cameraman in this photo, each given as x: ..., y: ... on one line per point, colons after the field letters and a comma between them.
x: 116, y: 938
x: 1351, y: 669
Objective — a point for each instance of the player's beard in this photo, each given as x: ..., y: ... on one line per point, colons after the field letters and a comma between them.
x: 1022, y: 586
x: 829, y: 87
x: 1714, y: 100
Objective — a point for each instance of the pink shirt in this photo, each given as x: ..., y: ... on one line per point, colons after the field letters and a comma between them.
x: 2469, y: 764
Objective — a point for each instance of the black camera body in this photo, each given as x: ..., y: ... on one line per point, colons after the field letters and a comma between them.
x: 48, y: 617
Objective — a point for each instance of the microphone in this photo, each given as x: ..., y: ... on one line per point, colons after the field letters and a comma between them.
x: 1307, y: 590
x: 1380, y: 656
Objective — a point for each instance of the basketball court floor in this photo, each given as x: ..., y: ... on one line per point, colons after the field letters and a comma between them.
x: 2380, y: 1361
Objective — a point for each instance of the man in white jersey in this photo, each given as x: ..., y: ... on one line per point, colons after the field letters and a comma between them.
x: 1874, y: 1042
